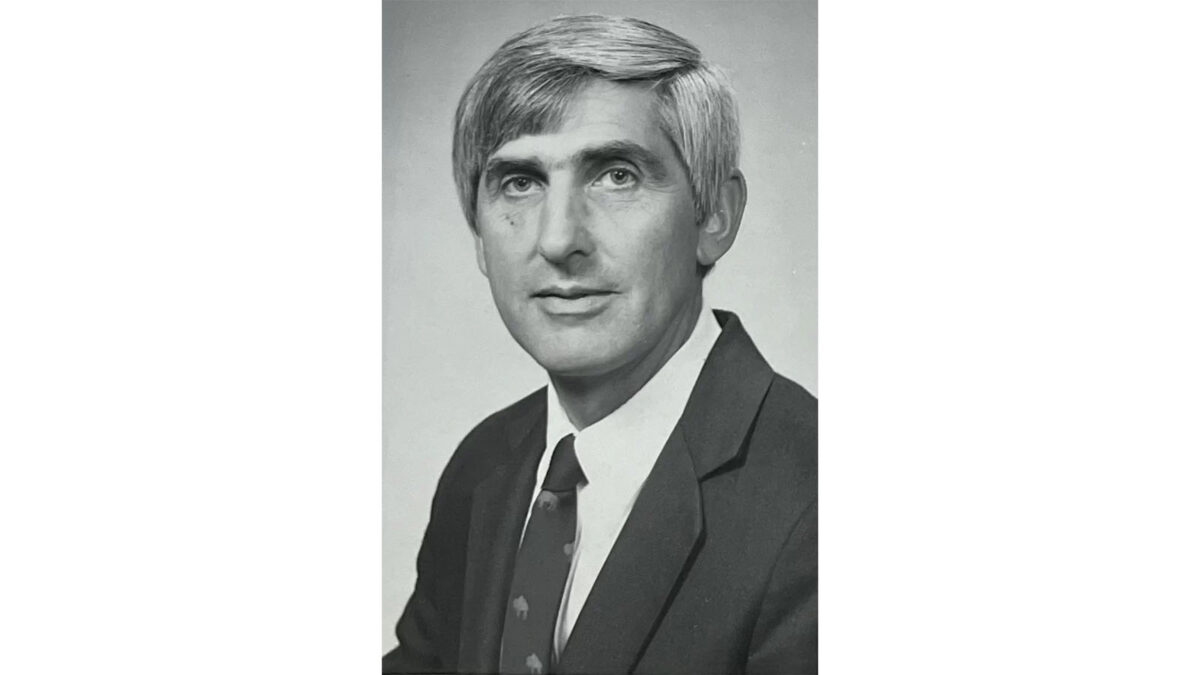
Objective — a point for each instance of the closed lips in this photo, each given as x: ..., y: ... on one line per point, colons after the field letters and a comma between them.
x: 570, y: 293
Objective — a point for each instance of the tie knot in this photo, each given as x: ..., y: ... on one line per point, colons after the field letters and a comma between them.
x: 564, y: 472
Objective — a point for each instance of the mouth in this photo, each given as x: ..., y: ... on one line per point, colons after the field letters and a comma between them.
x: 573, y: 301
x: 571, y: 292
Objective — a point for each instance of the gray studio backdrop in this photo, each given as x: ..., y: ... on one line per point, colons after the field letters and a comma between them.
x: 447, y: 359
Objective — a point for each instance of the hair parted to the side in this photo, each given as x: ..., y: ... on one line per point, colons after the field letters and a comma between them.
x: 526, y: 86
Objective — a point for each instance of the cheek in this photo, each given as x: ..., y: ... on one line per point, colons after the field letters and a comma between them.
x: 672, y: 244
x: 500, y: 221
x: 662, y: 259
x: 660, y: 224
x: 506, y: 262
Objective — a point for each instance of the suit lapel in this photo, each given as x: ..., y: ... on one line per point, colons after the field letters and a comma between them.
x: 636, y: 581
x: 665, y: 527
x: 498, y: 508
x: 726, y: 398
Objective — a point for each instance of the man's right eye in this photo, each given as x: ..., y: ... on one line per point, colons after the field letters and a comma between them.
x: 518, y: 185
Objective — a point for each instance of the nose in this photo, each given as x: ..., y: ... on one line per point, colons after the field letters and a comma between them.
x: 563, y: 231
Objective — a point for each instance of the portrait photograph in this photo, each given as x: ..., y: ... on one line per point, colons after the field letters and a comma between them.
x: 599, y: 337
x: 595, y: 337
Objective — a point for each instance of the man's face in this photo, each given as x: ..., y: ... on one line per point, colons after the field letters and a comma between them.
x: 588, y: 236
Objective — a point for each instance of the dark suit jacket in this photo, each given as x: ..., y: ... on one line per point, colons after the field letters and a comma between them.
x: 715, y: 570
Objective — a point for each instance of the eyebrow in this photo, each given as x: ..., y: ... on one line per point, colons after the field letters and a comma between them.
x: 497, y: 167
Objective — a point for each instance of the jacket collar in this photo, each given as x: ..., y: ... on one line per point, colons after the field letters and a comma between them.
x: 726, y: 399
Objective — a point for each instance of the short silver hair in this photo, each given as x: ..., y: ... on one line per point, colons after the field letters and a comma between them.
x: 525, y: 87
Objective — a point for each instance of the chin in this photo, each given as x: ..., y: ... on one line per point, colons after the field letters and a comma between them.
x: 578, y: 361
x: 573, y: 365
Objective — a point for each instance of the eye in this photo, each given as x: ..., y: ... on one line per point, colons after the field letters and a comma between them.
x: 621, y: 176
x: 517, y: 186
x: 618, y: 178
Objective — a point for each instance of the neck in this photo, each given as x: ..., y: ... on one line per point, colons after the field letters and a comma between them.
x: 589, y: 399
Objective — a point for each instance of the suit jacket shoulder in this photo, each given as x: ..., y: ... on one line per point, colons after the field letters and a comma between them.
x: 490, y: 443
x: 785, y: 437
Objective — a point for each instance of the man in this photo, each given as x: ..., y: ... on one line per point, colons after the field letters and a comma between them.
x: 653, y: 509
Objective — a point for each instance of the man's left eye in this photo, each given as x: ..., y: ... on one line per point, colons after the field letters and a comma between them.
x: 619, y: 178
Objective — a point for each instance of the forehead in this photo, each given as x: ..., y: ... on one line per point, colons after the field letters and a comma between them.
x: 600, y: 112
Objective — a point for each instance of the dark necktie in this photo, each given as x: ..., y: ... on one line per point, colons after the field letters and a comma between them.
x: 543, y: 563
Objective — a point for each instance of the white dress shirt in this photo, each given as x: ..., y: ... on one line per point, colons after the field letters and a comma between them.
x: 616, y: 454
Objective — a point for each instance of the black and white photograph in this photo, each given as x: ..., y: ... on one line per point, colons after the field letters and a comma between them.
x: 600, y: 415
x: 488, y: 336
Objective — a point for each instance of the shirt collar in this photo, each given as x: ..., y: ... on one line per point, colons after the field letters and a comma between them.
x: 624, y: 445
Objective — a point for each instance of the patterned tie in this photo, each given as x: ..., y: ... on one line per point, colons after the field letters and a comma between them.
x: 543, y: 564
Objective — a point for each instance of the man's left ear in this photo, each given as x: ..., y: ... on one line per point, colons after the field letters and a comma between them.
x: 718, y: 231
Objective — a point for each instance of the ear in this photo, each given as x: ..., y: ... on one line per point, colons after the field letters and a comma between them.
x: 480, y: 260
x: 718, y: 231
